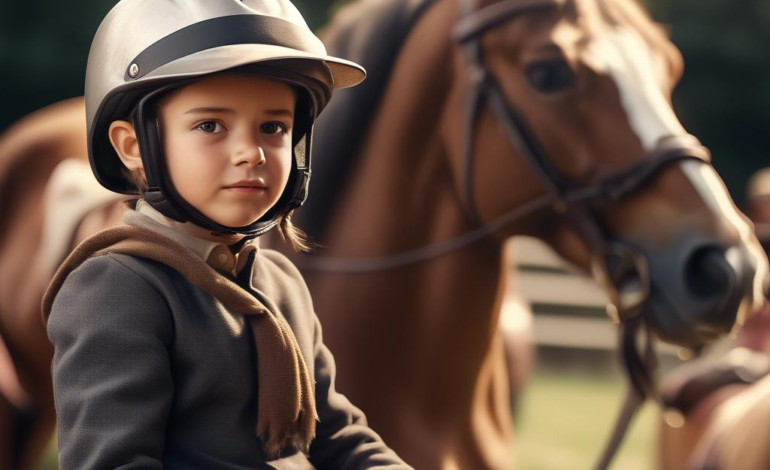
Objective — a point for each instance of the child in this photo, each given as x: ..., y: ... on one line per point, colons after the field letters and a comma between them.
x: 179, y: 344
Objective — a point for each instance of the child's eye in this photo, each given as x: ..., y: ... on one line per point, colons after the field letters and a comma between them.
x: 272, y: 128
x: 210, y: 127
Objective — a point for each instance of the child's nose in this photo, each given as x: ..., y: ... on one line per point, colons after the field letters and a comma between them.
x: 249, y: 152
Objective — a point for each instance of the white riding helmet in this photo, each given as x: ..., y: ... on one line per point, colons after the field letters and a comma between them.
x: 144, y: 48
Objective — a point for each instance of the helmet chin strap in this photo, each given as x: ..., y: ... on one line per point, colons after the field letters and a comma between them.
x: 163, y: 196
x: 159, y: 202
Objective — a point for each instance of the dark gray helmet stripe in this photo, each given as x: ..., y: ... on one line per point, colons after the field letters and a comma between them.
x: 223, y: 31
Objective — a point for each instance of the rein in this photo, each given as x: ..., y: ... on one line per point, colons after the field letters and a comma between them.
x: 612, y: 188
x: 613, y: 264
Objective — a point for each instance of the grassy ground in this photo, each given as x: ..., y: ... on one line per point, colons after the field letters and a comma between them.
x: 565, y: 420
x: 563, y: 423
x: 49, y: 461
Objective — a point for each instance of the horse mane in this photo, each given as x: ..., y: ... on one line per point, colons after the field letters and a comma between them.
x: 371, y: 33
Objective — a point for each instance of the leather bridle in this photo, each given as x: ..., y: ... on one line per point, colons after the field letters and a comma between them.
x: 576, y: 204
x: 613, y: 265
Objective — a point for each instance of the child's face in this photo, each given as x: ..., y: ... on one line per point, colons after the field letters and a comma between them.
x: 227, y: 143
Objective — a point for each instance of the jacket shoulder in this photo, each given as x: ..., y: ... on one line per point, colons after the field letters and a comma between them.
x: 108, y: 294
x: 119, y: 264
x: 112, y: 270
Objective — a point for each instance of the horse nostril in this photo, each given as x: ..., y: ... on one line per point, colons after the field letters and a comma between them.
x: 709, y: 274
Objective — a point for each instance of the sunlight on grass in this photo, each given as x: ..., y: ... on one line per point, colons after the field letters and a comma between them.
x: 50, y: 461
x: 565, y: 420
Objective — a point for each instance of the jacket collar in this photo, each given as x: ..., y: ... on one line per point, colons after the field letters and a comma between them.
x: 224, y: 255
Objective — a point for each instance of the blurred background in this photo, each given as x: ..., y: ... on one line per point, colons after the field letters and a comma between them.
x: 723, y: 98
x: 567, y: 411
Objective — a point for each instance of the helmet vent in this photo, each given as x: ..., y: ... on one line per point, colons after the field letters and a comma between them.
x: 300, y: 151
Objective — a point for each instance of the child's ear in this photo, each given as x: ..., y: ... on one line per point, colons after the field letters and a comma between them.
x: 123, y: 139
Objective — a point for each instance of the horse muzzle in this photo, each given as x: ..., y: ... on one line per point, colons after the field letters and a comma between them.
x: 701, y: 289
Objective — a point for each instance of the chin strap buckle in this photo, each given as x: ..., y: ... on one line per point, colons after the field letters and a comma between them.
x: 302, y: 188
x: 158, y: 201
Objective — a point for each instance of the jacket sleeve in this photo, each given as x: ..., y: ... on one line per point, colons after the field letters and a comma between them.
x: 343, y: 440
x: 112, y: 383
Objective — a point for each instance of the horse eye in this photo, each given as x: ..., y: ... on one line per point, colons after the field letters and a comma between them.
x: 550, y: 76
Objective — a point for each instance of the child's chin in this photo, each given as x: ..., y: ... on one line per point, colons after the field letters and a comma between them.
x: 236, y: 221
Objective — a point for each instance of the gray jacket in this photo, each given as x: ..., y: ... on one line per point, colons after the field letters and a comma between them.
x: 151, y: 372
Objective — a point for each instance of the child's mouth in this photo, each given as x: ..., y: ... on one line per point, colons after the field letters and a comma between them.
x: 255, y: 186
x: 247, y: 189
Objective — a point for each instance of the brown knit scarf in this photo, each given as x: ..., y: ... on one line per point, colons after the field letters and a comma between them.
x: 286, y: 408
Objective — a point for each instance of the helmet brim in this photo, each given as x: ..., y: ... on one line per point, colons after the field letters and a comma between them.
x: 344, y: 73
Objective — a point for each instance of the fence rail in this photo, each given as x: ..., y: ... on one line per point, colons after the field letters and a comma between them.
x: 568, y: 306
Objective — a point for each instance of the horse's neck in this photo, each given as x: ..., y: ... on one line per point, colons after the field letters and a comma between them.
x: 436, y: 317
x: 402, y: 168
x: 403, y: 194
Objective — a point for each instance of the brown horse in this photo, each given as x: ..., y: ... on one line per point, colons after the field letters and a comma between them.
x: 48, y: 201
x: 417, y: 343
x: 579, y: 126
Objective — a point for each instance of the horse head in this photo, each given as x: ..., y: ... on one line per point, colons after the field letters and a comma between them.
x: 565, y: 105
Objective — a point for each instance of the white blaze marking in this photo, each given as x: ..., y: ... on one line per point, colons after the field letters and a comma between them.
x: 624, y: 55
x: 714, y: 194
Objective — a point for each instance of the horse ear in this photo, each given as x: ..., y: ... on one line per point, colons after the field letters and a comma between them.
x: 123, y: 138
